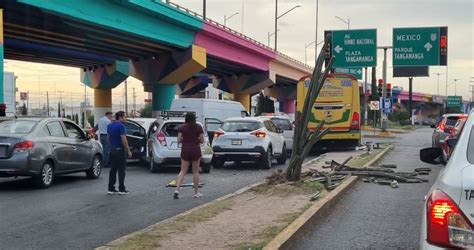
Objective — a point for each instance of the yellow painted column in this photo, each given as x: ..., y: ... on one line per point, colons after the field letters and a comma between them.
x: 102, y: 103
x: 244, y: 99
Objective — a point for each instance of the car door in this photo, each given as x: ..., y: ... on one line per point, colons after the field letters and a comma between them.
x: 137, y: 139
x: 151, y: 135
x: 211, y: 125
x: 81, y: 155
x: 61, y: 149
x: 275, y: 138
x: 278, y: 136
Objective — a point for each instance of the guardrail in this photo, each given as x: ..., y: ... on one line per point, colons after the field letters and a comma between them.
x: 193, y: 13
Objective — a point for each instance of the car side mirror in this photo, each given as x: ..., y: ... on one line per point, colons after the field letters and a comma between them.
x: 452, y: 142
x: 431, y: 155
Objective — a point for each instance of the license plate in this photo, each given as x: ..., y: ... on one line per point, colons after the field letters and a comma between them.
x: 236, y: 142
x: 3, y: 151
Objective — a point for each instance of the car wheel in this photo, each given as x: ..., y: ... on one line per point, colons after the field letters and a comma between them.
x: 266, y: 162
x: 46, y: 177
x: 206, y: 168
x: 217, y: 163
x: 283, y: 156
x: 154, y: 168
x: 96, y: 168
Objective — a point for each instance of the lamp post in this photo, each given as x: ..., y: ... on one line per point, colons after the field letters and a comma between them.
x: 268, y: 37
x: 227, y: 18
x: 348, y: 21
x: 455, y: 80
x: 278, y: 17
x: 306, y: 46
x: 316, y: 32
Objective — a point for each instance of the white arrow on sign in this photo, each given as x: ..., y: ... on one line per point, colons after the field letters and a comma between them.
x: 359, y: 72
x: 428, y: 46
x: 338, y: 49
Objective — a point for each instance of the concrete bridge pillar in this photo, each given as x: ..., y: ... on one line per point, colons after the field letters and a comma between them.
x: 287, y: 106
x: 161, y: 74
x: 103, y: 79
x: 2, y: 97
x: 162, y: 97
x: 244, y: 85
x: 102, y: 103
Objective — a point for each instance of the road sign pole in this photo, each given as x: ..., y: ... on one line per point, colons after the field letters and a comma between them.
x: 383, y: 115
x: 364, y: 102
x: 410, y: 99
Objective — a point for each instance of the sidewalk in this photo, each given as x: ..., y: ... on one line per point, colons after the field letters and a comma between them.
x: 249, y: 218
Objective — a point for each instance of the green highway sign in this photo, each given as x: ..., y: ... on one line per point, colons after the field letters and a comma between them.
x: 454, y: 101
x: 354, y: 48
x: 357, y: 72
x: 419, y: 46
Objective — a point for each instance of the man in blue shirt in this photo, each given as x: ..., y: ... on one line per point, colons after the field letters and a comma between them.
x: 119, y: 150
x: 102, y: 130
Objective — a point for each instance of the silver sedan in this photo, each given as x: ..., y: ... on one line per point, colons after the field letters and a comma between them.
x: 45, y: 147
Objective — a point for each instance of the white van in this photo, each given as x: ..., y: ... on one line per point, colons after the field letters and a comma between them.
x: 210, y: 112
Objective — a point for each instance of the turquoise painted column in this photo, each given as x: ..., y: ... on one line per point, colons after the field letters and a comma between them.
x: 2, y: 97
x: 162, y: 96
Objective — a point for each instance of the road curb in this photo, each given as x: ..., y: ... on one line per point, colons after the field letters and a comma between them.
x: 292, y: 233
x: 117, y: 242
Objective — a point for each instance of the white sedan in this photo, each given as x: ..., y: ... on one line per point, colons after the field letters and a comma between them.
x: 448, y: 217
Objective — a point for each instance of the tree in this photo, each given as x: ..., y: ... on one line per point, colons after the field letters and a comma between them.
x: 260, y: 104
x: 24, y: 110
x: 147, y: 111
x: 304, y: 140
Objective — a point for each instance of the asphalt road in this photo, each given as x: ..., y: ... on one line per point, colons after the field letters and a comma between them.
x: 375, y: 216
x: 76, y: 212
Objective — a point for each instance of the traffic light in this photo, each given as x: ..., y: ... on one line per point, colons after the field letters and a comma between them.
x: 443, y: 44
x: 380, y: 88
x: 389, y: 90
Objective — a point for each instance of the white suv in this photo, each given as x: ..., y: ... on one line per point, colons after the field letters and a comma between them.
x: 163, y: 146
x: 249, y: 139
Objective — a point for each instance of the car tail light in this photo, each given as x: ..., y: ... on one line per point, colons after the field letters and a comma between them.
x: 161, y: 138
x: 218, y: 133
x: 446, y: 223
x: 442, y: 126
x: 259, y: 134
x: 24, y: 146
x: 355, y: 121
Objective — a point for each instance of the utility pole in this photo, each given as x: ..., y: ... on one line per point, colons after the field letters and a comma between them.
x: 126, y: 98
x: 276, y: 24
x: 204, y: 9
x: 438, y: 74
x: 364, y: 100
x: 61, y: 102
x: 455, y: 81
x: 134, y: 103
x: 383, y: 116
x: 316, y: 34
x: 410, y: 99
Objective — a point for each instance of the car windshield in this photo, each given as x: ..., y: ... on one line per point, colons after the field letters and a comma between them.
x: 16, y: 127
x: 284, y: 124
x: 240, y: 126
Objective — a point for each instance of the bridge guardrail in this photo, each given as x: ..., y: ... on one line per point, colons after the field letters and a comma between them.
x: 193, y: 13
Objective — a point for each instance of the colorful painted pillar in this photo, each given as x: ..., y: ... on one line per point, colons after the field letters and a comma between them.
x: 2, y: 97
x: 288, y: 106
x: 243, y: 86
x: 163, y: 74
x: 103, y: 79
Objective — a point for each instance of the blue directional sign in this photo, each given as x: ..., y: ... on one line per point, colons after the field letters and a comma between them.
x: 387, y: 105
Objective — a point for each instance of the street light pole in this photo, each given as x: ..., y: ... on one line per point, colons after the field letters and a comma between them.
x: 269, y: 36
x: 438, y: 74
x: 316, y: 33
x: 455, y: 80
x: 278, y: 17
x: 348, y: 22
x: 227, y: 18
x: 306, y: 46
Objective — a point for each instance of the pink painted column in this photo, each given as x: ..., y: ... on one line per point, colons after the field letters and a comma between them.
x: 289, y: 106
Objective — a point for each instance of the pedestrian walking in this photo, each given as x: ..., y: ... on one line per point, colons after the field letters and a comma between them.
x: 191, y: 136
x: 102, y: 127
x: 119, y: 151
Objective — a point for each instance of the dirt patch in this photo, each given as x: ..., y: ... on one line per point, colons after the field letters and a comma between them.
x: 247, y: 220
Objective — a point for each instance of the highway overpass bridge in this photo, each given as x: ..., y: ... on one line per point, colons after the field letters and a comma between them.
x: 172, y: 50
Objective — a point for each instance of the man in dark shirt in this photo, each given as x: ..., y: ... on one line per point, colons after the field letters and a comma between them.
x: 119, y: 150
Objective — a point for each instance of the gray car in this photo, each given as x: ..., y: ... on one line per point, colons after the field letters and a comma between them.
x: 45, y: 147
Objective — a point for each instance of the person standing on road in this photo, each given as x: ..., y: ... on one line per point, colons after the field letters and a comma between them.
x: 191, y: 136
x: 119, y: 150
x: 103, y: 124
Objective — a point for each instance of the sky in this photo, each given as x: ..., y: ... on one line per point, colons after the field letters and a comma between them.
x: 297, y: 28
